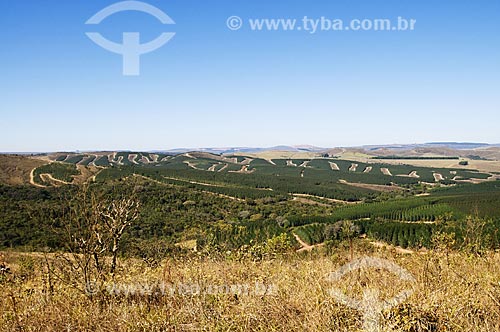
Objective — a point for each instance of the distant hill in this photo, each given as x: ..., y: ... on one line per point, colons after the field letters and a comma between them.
x: 457, y: 146
x: 445, y: 149
x: 475, y: 151
x: 16, y: 169
x: 232, y: 150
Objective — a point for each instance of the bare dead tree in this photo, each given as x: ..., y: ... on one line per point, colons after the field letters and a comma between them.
x: 116, y: 216
x: 93, y: 226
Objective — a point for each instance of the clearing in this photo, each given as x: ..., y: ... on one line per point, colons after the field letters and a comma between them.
x: 386, y: 171
x: 438, y: 177
x: 334, y: 166
x: 375, y: 187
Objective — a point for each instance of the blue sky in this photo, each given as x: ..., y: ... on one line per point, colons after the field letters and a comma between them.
x: 213, y: 87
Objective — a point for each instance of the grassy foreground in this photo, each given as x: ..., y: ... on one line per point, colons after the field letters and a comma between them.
x: 289, y: 292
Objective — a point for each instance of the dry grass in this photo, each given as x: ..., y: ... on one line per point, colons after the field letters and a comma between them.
x: 276, y: 154
x: 16, y: 170
x: 455, y: 293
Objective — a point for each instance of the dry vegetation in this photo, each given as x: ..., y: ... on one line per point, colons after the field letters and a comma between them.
x: 16, y: 170
x: 453, y: 292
